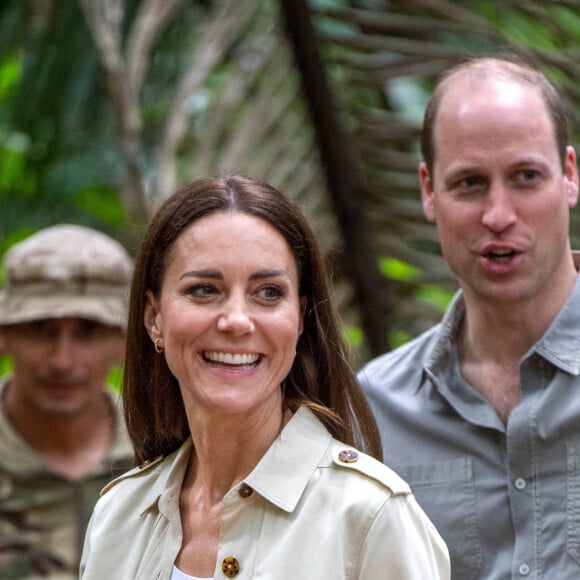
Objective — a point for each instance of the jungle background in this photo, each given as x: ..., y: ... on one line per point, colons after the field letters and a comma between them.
x: 107, y: 106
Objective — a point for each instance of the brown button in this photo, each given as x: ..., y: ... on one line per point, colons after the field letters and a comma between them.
x: 245, y: 490
x: 348, y: 456
x: 230, y: 567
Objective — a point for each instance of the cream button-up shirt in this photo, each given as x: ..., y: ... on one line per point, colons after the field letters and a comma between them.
x: 311, y: 509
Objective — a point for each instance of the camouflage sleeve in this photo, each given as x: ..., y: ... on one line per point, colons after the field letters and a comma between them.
x: 42, y: 523
x: 38, y: 526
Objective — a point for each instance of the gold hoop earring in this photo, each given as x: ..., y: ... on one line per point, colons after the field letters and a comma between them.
x: 158, y: 349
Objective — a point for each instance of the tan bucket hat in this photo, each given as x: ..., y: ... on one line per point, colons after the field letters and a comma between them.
x: 66, y: 271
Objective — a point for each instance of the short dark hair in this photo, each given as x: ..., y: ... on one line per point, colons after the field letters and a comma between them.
x: 321, y: 376
x: 514, y: 69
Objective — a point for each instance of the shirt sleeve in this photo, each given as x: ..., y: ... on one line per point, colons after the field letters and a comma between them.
x: 402, y: 543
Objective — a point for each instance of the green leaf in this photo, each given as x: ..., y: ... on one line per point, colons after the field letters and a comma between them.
x: 102, y: 203
x: 395, y: 269
x: 398, y: 337
x: 436, y: 296
x: 10, y: 69
x: 354, y: 336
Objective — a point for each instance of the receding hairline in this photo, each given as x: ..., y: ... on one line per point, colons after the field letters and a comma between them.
x: 513, y: 71
x: 518, y: 72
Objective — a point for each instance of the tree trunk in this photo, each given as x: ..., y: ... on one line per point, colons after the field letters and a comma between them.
x: 343, y: 178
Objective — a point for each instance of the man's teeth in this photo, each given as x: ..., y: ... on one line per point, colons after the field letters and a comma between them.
x: 231, y: 359
x: 501, y: 255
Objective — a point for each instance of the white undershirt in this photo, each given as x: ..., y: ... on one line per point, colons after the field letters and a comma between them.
x: 177, y: 574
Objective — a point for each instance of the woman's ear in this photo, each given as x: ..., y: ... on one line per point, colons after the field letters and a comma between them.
x: 152, y: 316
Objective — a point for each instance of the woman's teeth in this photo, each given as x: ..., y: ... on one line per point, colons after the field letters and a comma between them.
x: 231, y: 359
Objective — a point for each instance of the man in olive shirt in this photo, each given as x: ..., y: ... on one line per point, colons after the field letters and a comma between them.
x: 481, y: 414
x: 62, y: 436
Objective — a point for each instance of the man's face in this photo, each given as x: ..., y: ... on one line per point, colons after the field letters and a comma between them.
x: 61, y: 365
x: 498, y: 193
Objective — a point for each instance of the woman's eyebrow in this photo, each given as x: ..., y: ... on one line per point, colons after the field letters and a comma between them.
x: 208, y: 273
x: 268, y: 273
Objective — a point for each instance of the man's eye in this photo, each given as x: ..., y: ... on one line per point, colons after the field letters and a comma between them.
x: 471, y: 181
x: 40, y: 328
x: 88, y: 329
x: 529, y: 175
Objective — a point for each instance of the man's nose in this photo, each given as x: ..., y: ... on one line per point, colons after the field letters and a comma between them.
x: 500, y: 212
x: 64, y: 352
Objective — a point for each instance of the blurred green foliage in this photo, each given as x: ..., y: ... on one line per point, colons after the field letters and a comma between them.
x: 114, y: 379
x: 59, y: 152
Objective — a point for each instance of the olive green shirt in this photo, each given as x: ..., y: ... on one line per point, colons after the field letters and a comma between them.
x: 43, y: 515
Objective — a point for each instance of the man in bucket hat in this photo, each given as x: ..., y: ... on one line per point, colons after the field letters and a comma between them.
x: 62, y: 436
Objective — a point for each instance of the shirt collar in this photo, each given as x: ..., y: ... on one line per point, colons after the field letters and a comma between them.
x: 448, y: 329
x: 560, y: 344
x: 298, y: 451
x: 165, y: 477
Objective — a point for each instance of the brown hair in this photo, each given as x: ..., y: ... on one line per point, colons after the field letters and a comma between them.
x: 514, y: 69
x: 321, y: 376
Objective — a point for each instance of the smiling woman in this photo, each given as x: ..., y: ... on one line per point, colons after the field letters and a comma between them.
x: 230, y: 300
x: 249, y: 423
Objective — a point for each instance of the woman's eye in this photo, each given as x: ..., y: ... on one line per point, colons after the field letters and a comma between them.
x: 202, y: 290
x: 270, y: 293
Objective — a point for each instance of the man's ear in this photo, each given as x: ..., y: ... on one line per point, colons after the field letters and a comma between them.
x: 427, y: 196
x: 571, y: 176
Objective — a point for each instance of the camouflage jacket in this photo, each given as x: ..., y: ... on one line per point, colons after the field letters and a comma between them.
x: 43, y: 516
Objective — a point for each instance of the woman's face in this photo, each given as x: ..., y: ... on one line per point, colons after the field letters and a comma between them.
x: 229, y: 314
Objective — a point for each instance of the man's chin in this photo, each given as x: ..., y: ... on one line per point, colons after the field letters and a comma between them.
x: 61, y: 405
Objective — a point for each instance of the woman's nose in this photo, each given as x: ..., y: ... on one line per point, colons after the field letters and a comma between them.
x: 236, y: 318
